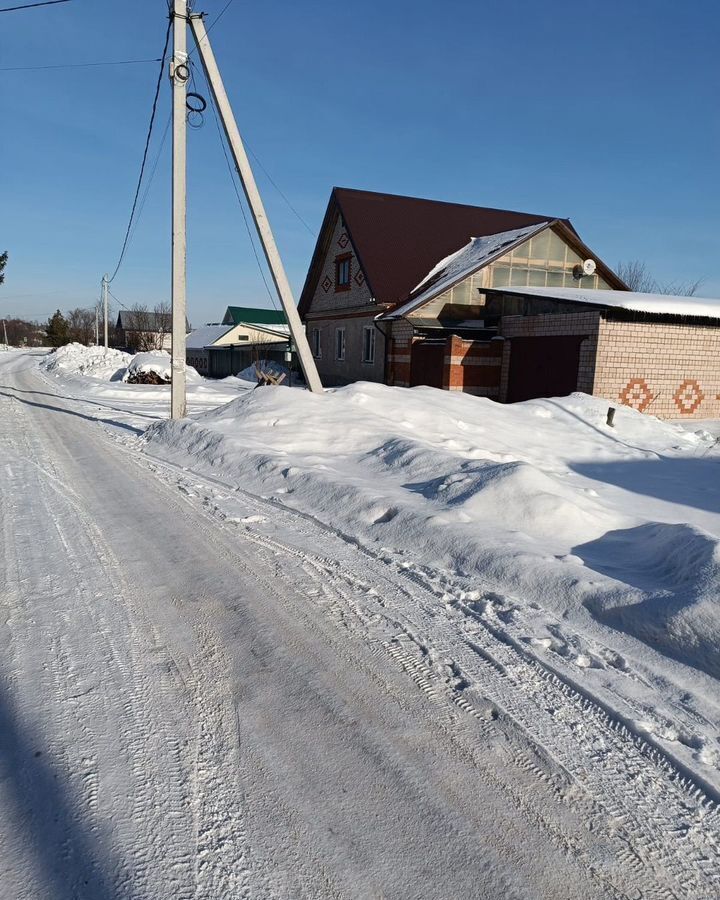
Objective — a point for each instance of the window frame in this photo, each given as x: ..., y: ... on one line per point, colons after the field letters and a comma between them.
x: 368, y: 359
x: 340, y: 346
x: 340, y: 260
x: 316, y: 343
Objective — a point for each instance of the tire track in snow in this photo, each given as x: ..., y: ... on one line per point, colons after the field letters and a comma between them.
x: 665, y: 828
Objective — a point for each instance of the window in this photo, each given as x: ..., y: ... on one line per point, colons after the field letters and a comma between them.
x: 339, y: 343
x: 315, y: 343
x: 368, y: 344
x: 342, y: 272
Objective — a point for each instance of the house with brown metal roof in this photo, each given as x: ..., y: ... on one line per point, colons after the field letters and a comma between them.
x: 393, y: 277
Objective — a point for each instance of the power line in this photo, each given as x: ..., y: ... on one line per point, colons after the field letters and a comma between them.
x: 30, y: 5
x: 121, y: 62
x: 214, y: 22
x: 231, y: 172
x: 269, y: 178
x: 145, y: 152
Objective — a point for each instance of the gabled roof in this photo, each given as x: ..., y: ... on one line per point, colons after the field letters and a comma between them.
x: 251, y: 315
x: 479, y: 252
x: 399, y: 239
x: 206, y: 335
x: 137, y: 320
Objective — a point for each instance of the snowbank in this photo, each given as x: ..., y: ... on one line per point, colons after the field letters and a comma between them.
x: 77, y: 359
x: 265, y: 365
x: 158, y: 363
x: 540, y: 499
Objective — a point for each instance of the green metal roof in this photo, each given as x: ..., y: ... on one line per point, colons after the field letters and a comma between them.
x: 252, y: 316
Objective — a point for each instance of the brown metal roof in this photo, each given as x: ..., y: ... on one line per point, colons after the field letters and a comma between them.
x: 398, y: 239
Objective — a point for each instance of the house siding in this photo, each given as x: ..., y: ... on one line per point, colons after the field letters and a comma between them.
x: 335, y: 372
x: 667, y: 370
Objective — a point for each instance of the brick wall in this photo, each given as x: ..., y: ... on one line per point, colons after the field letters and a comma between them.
x: 670, y: 371
x: 473, y: 366
x: 326, y: 297
x: 581, y: 323
x: 399, y: 350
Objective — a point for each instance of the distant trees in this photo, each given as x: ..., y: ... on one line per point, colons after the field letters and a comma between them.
x: 58, y: 330
x: 81, y: 325
x: 636, y: 276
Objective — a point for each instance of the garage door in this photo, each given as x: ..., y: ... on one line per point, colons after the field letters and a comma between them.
x: 543, y: 367
x: 426, y: 364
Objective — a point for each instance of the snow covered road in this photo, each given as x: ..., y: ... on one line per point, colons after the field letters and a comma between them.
x: 203, y: 695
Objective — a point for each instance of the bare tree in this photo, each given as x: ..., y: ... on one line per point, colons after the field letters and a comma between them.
x: 140, y: 336
x: 636, y: 276
x: 81, y: 323
x: 163, y: 321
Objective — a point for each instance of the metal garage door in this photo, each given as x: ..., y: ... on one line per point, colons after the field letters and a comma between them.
x: 543, y: 367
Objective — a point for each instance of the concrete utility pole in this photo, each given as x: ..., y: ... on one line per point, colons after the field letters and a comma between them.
x: 97, y: 324
x: 5, y: 332
x: 105, y: 306
x: 179, y: 74
x: 256, y: 205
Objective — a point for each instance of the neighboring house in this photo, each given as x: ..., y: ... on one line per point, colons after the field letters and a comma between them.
x: 500, y: 304
x: 139, y: 330
x: 375, y: 252
x: 246, y: 335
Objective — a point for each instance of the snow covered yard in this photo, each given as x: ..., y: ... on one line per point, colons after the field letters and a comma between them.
x: 383, y: 642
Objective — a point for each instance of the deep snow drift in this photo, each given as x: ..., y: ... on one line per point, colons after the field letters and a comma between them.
x: 593, y: 548
x: 541, y: 498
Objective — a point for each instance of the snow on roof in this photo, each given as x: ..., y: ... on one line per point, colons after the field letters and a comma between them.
x: 660, y: 304
x: 473, y: 256
x: 208, y: 334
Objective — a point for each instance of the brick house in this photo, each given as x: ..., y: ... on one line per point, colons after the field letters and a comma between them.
x: 500, y: 304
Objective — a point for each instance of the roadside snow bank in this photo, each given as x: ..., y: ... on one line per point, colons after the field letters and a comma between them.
x: 541, y: 499
x: 77, y: 359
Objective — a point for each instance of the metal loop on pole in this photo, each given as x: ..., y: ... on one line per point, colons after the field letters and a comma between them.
x: 182, y: 72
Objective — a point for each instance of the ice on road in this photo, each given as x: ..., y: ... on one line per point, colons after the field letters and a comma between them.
x: 216, y: 705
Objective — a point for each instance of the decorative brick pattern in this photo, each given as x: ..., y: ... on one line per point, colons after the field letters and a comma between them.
x: 688, y: 396
x: 356, y: 296
x: 636, y: 394
x: 359, y: 278
x: 473, y: 367
x: 680, y: 364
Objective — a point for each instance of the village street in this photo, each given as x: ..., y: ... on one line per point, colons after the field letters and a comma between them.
x: 204, y: 705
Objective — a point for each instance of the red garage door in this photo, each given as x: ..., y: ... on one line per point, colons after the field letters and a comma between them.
x: 543, y: 367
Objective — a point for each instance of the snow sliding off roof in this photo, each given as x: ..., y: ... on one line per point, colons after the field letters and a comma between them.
x: 657, y: 304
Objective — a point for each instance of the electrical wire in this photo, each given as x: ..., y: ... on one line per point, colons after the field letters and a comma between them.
x: 121, y: 62
x: 231, y: 172
x: 146, y: 192
x: 214, y: 22
x: 145, y: 151
x: 269, y: 178
x: 30, y: 5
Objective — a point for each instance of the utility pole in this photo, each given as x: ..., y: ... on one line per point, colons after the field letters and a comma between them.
x: 179, y: 74
x: 97, y: 324
x: 105, y: 305
x: 252, y: 195
x: 5, y: 332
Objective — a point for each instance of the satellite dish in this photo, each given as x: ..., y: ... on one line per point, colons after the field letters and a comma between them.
x: 589, y: 267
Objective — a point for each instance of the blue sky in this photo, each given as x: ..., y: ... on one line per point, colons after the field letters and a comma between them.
x: 605, y: 112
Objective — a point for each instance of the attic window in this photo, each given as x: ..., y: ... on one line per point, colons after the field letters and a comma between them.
x: 342, y: 272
